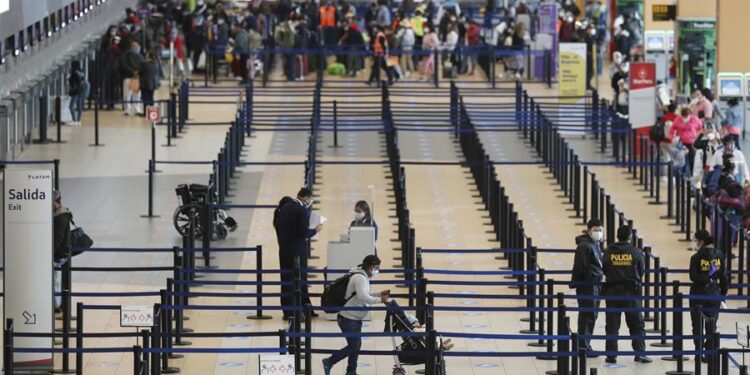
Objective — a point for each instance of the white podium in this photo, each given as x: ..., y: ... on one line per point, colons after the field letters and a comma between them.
x: 348, y: 254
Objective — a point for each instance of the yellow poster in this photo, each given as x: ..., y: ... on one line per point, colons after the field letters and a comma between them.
x: 572, y: 81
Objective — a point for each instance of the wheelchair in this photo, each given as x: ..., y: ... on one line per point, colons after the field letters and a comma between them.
x: 193, y: 200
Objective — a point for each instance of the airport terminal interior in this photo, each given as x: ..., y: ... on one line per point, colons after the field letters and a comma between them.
x: 375, y: 187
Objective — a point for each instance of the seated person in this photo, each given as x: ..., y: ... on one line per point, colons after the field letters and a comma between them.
x: 363, y: 217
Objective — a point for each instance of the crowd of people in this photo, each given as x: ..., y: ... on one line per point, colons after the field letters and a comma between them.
x: 406, y: 41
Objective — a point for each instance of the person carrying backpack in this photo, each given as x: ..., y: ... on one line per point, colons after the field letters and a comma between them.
x: 358, y: 294
x: 77, y: 91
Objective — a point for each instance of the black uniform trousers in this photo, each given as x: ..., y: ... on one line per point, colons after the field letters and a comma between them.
x: 587, y: 319
x: 710, y: 311
x: 634, y: 319
x: 286, y: 262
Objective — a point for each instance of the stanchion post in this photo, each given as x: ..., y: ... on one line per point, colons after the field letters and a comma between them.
x: 308, y: 339
x: 96, y: 122
x: 8, y: 347
x: 79, y: 337
x: 259, y: 285
x: 56, y: 164
x: 151, y: 167
x: 563, y: 361
x: 58, y: 119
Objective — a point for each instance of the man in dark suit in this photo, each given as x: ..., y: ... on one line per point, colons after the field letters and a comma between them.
x: 293, y: 232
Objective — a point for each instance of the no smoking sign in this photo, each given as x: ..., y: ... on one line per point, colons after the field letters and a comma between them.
x: 153, y: 114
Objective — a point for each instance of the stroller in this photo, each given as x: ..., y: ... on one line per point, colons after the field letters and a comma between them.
x: 194, y: 198
x: 397, y: 321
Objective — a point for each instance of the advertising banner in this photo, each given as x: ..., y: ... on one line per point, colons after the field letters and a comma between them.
x: 572, y: 64
x: 28, y: 255
x: 642, y: 104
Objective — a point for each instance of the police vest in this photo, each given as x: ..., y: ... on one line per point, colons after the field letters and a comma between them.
x: 327, y: 16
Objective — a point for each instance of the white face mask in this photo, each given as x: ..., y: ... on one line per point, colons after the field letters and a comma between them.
x: 711, y: 136
x: 375, y: 272
x: 597, y: 236
x: 359, y: 216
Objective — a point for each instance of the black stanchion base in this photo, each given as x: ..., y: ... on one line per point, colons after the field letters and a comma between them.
x: 510, y: 277
x: 150, y: 216
x: 182, y: 343
x: 41, y: 141
x: 551, y: 372
x: 675, y: 359
x: 172, y: 145
x: 196, y: 276
x: 402, y: 286
x: 202, y: 257
x: 662, y: 344
x: 657, y: 203
x: 61, y: 371
x: 72, y: 318
x: 259, y: 317
x: 183, y: 318
x: 398, y: 258
x: 71, y: 330
x: 513, y: 287
x: 525, y: 319
x: 58, y: 142
x: 313, y: 276
x: 684, y: 240
x: 96, y: 145
x: 420, y: 371
x: 537, y: 344
x: 313, y: 257
x: 156, y: 171
x: 398, y: 275
x: 666, y: 217
x: 175, y: 356
x: 332, y: 146
x: 170, y: 370
x: 679, y: 372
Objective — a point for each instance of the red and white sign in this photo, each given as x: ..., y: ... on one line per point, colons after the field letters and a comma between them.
x: 153, y: 114
x: 642, y: 96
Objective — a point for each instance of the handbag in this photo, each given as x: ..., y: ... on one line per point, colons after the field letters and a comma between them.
x: 79, y: 239
x: 135, y: 84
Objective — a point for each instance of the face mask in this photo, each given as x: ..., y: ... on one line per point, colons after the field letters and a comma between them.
x: 711, y: 136
x: 359, y: 216
x: 375, y: 272
x: 686, y: 118
x: 597, y: 236
x: 136, y: 50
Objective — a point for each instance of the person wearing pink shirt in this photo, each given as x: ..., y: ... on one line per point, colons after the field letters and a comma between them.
x: 701, y: 103
x: 686, y: 127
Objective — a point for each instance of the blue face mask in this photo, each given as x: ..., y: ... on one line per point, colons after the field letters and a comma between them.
x: 136, y: 50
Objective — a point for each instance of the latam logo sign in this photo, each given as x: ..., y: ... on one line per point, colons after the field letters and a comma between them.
x: 642, y: 75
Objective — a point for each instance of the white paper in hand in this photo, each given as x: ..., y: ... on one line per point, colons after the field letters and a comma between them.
x: 316, y: 220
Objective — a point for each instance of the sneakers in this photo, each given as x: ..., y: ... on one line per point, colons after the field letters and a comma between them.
x: 326, y: 366
x: 643, y: 359
x: 611, y: 360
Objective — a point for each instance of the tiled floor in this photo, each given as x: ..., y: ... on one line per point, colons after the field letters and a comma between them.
x: 106, y: 189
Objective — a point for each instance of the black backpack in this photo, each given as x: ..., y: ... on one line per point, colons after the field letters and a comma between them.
x: 656, y: 133
x: 334, y: 294
x: 75, y: 84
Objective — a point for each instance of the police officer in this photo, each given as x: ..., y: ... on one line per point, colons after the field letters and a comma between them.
x: 587, y: 276
x: 708, y: 277
x: 623, y: 267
